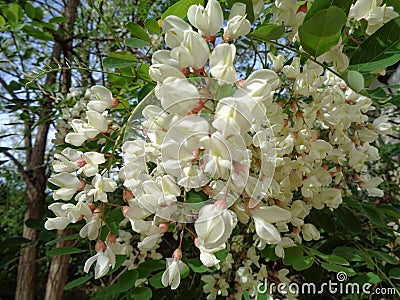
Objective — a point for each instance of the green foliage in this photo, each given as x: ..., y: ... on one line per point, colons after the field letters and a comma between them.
x: 268, y: 32
x: 322, y: 30
x: 378, y: 51
x: 180, y: 8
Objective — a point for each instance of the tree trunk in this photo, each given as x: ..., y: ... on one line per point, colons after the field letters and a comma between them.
x: 35, y: 179
x: 58, y: 274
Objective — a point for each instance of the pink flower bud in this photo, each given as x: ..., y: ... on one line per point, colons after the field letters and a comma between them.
x: 111, y: 238
x: 125, y: 211
x: 177, y: 254
x: 81, y: 162
x: 163, y: 227
x: 115, y: 103
x: 100, y: 246
x: 91, y: 206
x: 127, y: 195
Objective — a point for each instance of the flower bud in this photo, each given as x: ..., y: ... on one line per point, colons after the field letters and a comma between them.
x: 125, y: 211
x: 177, y: 254
x: 91, y: 206
x: 81, y: 162
x: 127, y: 195
x: 111, y: 238
x: 100, y: 246
x: 163, y: 227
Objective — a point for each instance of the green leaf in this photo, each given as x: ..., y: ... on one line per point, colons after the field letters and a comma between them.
x: 114, y: 62
x: 378, y: 51
x: 349, y: 253
x: 30, y: 10
x: 155, y: 281
x: 196, y: 197
x: 185, y: 272
x: 268, y: 32
x: 38, y: 33
x: 367, y: 277
x: 125, y: 55
x: 337, y: 269
x: 136, y: 43
x: 249, y: 8
x: 348, y: 220
x: 196, y: 265
x: 303, y: 262
x: 180, y: 8
x: 144, y: 72
x: 322, y: 31
x: 119, y: 260
x: 2, y: 21
x: 291, y: 255
x: 77, y: 282
x: 13, y: 14
x: 14, y: 242
x: 147, y: 89
x: 65, y: 238
x: 58, y: 20
x: 373, y: 215
x: 222, y: 254
x: 125, y: 282
x: 35, y: 224
x: 394, y: 273
x: 152, y: 26
x: 141, y: 293
x: 150, y: 266
x: 354, y: 80
x: 137, y: 31
x: 64, y: 251
x: 382, y: 256
x: 318, y: 5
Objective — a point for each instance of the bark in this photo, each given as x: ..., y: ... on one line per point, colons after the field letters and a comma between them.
x: 58, y: 274
x: 35, y: 179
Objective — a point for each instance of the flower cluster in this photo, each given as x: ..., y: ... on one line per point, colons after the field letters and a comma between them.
x: 238, y: 162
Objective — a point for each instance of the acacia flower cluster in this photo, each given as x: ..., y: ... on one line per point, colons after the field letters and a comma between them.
x: 227, y: 163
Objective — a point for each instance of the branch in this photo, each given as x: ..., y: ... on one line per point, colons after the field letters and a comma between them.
x: 19, y: 166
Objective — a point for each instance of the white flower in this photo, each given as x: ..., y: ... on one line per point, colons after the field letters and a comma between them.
x: 101, y: 186
x: 208, y: 20
x: 374, y: 14
x: 264, y: 216
x: 160, y: 72
x: 237, y: 24
x: 310, y: 232
x: 221, y: 62
x: 178, y: 96
x: 174, y: 27
x: 172, y: 275
x: 102, y: 99
x: 214, y: 225
x: 163, y: 57
x: 91, y: 162
x: 66, y: 213
x: 104, y: 260
x: 192, y: 52
x: 66, y: 161
x: 260, y: 85
x: 97, y: 121
x: 68, y: 183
